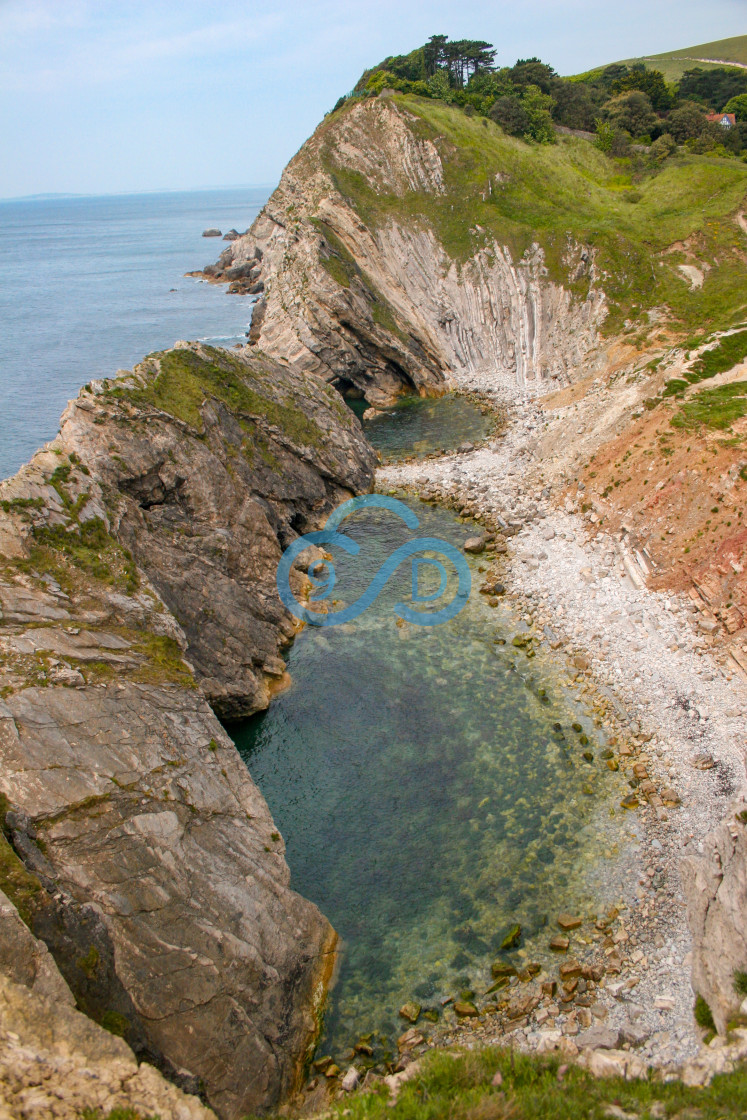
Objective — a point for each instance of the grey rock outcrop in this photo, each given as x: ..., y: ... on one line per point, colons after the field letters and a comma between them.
x: 56, y: 1061
x: 138, y: 558
x: 716, y: 891
x: 378, y: 303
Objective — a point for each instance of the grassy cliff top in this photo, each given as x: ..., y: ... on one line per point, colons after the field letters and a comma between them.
x: 673, y: 64
x: 642, y: 221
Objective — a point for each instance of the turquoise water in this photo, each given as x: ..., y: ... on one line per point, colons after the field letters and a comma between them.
x: 91, y: 285
x: 430, y: 789
x: 419, y: 425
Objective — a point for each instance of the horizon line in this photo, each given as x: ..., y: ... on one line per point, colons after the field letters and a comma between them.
x: 48, y: 196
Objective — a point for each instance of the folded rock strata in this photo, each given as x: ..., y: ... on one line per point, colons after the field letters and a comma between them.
x: 364, y: 294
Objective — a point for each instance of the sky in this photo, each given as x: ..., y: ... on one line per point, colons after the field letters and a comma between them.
x: 108, y: 96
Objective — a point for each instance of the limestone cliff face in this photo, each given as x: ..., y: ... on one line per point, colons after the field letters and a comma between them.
x: 365, y: 294
x: 56, y: 1061
x: 716, y: 891
x: 137, y: 560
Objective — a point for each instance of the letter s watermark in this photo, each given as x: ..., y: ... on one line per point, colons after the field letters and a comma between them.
x: 325, y: 584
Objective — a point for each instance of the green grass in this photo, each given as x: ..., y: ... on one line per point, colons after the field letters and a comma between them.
x: 89, y: 547
x: 460, y: 1088
x: 547, y: 192
x: 703, y: 1015
x: 714, y: 408
x: 164, y: 661
x: 22, y: 888
x: 673, y: 64
x: 730, y: 351
x: 185, y: 379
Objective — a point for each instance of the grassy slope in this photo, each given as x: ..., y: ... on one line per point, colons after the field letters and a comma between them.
x: 546, y: 193
x: 673, y: 64
x: 460, y: 1088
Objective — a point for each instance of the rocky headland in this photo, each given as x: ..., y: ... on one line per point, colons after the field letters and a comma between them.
x: 139, y: 551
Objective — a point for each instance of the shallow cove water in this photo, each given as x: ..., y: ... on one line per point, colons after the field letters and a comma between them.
x: 417, y: 426
x: 430, y: 789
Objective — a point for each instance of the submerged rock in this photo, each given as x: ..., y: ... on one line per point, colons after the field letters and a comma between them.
x: 410, y: 1012
x: 512, y: 938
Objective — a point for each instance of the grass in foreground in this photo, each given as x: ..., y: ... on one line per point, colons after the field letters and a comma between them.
x: 461, y: 1088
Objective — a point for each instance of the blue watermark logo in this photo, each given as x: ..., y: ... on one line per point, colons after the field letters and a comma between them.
x: 324, y: 585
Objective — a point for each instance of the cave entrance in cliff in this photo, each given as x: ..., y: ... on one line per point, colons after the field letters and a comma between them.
x: 352, y: 394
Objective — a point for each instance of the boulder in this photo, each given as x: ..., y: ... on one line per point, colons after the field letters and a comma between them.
x: 474, y: 544
x: 598, y: 1038
x: 211, y: 233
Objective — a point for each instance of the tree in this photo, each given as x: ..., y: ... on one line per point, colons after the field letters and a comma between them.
x: 511, y: 115
x: 686, y: 122
x: 532, y: 72
x: 574, y: 107
x: 432, y: 52
x: 650, y: 82
x: 439, y: 86
x: 605, y: 135
x: 712, y: 87
x: 663, y: 147
x: 460, y: 59
x: 738, y: 106
x: 538, y: 107
x: 631, y: 112
x: 611, y: 74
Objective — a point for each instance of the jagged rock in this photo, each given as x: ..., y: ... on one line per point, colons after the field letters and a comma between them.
x: 143, y: 855
x: 715, y: 886
x: 598, y: 1038
x: 350, y: 1080
x: 206, y: 506
x: 211, y: 233
x: 56, y: 1057
x: 616, y: 1063
x: 474, y: 544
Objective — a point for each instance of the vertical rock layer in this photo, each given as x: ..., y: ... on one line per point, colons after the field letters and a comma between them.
x: 357, y: 287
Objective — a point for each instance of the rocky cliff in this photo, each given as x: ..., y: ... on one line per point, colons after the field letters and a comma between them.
x: 376, y: 274
x: 716, y: 890
x: 56, y: 1061
x: 138, y: 553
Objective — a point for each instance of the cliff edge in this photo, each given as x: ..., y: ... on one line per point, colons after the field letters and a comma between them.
x: 138, y: 554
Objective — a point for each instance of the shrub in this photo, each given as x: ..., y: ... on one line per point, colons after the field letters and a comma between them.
x: 511, y: 115
x: 631, y: 112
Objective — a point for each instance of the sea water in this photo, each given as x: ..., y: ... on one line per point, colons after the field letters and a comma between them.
x: 90, y: 285
x: 431, y: 790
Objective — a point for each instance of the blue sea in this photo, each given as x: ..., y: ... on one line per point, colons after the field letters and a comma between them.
x: 91, y: 285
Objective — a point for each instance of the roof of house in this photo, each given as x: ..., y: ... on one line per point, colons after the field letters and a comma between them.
x: 731, y: 117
